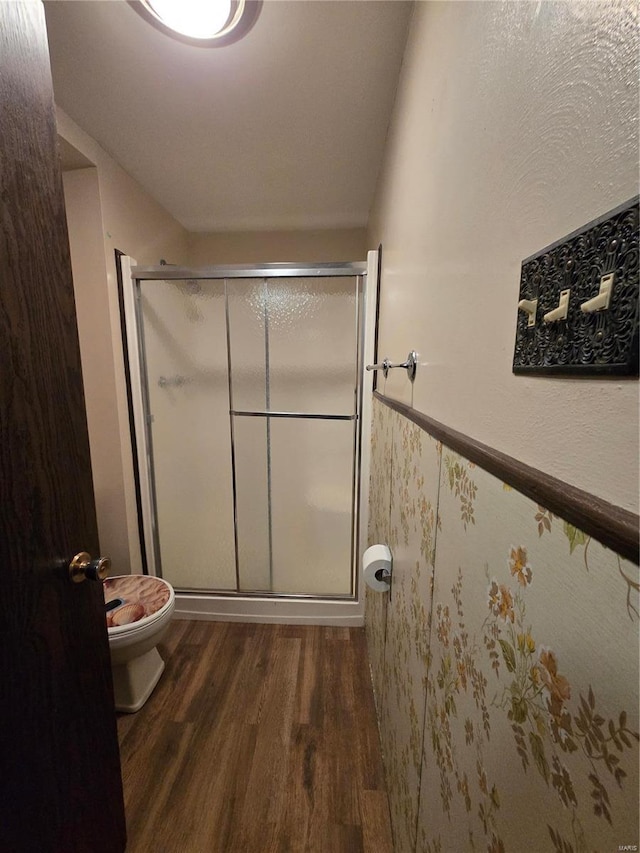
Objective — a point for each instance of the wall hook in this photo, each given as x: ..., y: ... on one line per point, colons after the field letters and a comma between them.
x: 603, y: 298
x: 530, y: 307
x: 559, y: 313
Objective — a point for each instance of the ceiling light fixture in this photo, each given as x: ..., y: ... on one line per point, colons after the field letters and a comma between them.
x: 205, y: 23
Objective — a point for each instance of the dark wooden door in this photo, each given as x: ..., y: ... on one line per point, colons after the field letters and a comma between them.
x: 60, y: 784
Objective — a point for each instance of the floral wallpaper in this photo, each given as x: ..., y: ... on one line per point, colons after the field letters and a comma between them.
x: 507, y: 693
x: 415, y: 464
x: 379, y: 503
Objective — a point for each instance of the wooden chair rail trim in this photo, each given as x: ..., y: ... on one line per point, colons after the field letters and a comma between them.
x: 611, y: 525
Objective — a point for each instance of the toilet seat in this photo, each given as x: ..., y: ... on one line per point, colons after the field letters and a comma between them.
x: 141, y: 591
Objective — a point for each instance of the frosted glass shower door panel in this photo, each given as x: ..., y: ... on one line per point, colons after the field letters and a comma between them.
x: 313, y: 342
x: 252, y: 503
x: 294, y: 344
x: 312, y: 498
x: 247, y: 323
x: 184, y: 338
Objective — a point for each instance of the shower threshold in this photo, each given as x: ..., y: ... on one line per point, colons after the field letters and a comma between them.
x: 293, y: 610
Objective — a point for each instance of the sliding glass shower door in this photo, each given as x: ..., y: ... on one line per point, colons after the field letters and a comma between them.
x: 293, y: 362
x: 184, y: 347
x: 252, y: 394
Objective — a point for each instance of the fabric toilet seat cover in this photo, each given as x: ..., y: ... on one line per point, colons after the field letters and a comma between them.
x: 141, y: 596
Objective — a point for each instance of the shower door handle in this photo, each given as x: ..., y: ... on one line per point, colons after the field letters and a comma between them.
x: 83, y: 568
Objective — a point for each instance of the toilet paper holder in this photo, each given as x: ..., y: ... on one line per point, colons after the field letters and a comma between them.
x: 377, y: 567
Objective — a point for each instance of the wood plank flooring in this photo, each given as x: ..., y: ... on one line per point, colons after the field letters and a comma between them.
x: 258, y: 739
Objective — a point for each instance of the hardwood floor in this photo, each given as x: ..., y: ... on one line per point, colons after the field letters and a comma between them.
x: 258, y: 738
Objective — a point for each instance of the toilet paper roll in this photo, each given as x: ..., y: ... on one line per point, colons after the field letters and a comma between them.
x: 374, y: 560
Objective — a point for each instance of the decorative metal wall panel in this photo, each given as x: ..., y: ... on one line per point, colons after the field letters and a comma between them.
x: 599, y: 342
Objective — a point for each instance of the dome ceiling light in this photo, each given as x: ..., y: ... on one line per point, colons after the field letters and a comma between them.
x: 204, y: 23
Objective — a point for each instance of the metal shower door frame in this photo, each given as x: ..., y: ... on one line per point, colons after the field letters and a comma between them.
x: 143, y: 420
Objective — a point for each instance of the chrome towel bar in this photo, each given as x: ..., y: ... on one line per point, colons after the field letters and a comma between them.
x: 410, y: 365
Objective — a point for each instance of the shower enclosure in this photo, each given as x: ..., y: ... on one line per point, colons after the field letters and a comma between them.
x: 246, y: 388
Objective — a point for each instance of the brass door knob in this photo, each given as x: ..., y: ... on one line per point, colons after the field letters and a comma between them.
x: 82, y: 568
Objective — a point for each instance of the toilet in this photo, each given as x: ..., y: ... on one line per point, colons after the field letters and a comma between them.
x: 138, y: 612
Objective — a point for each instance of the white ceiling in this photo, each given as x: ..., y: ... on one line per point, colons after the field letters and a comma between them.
x: 284, y: 129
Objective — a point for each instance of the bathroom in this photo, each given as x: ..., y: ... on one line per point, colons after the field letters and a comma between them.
x: 510, y: 126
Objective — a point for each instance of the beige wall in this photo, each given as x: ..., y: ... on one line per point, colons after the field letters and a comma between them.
x: 108, y: 210
x: 514, y: 124
x: 256, y: 247
x: 84, y: 221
